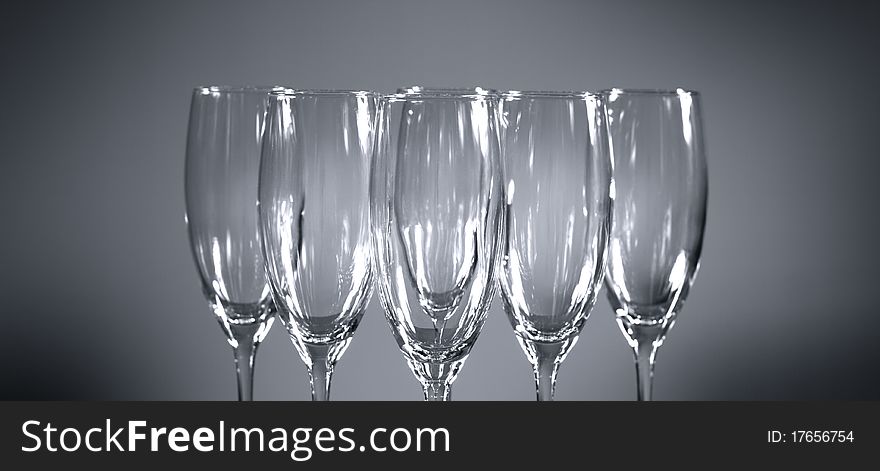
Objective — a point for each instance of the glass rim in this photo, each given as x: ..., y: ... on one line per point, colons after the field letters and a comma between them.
x: 422, y: 90
x: 649, y: 91
x: 431, y: 93
x: 229, y: 89
x: 516, y: 94
x: 294, y: 92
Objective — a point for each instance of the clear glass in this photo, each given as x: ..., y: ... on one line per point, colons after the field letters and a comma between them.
x: 557, y: 177
x: 314, y: 219
x: 437, y: 223
x: 660, y: 183
x: 222, y: 170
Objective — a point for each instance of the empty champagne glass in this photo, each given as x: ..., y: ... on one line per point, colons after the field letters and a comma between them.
x: 557, y: 176
x: 222, y: 164
x: 314, y: 219
x: 660, y: 182
x: 437, y: 222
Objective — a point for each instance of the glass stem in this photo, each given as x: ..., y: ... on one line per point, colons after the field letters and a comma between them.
x: 439, y: 326
x: 545, y: 377
x: 644, y: 339
x: 437, y: 390
x: 320, y: 370
x: 547, y: 357
x: 245, y: 352
x: 436, y: 378
x: 644, y: 351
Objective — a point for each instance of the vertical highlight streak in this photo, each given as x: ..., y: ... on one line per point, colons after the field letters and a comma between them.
x: 686, y: 102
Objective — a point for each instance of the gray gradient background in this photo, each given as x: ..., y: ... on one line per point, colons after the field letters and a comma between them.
x: 99, y: 297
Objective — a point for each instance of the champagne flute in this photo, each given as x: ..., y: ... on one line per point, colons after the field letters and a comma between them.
x: 437, y: 224
x: 557, y: 176
x: 314, y: 219
x: 660, y: 181
x: 222, y: 163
